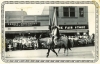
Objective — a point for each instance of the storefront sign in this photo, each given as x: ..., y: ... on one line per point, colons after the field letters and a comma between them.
x: 64, y: 27
x: 22, y: 24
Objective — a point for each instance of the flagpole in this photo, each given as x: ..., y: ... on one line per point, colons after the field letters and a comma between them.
x: 50, y: 24
x: 55, y: 17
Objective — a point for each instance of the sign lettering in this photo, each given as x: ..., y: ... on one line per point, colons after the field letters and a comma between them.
x: 73, y: 27
x: 22, y: 24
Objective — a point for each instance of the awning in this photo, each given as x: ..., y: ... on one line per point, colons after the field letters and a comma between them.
x: 34, y: 31
x: 74, y: 31
x: 35, y: 28
x: 39, y: 29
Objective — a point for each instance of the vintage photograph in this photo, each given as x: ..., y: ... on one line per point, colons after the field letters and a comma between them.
x: 49, y: 31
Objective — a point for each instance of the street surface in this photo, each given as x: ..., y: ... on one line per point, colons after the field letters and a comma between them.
x: 76, y: 52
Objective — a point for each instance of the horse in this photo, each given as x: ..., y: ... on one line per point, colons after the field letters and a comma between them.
x: 66, y: 44
x: 63, y: 41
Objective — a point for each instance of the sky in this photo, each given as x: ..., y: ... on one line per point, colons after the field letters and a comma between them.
x: 37, y: 9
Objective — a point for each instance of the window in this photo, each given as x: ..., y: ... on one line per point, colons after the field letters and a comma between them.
x: 57, y: 11
x: 66, y: 11
x: 72, y: 12
x: 69, y: 11
x: 81, y: 12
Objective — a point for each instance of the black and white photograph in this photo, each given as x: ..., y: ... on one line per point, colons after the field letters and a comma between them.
x: 49, y: 31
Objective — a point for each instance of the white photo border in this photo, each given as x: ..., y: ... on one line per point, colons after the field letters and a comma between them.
x: 50, y: 2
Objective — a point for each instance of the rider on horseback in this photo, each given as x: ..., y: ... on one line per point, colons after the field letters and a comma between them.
x: 55, y: 34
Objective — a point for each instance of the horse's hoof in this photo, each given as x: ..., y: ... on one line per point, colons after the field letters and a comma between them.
x: 57, y: 55
x: 47, y: 56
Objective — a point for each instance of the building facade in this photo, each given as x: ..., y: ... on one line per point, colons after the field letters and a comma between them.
x: 13, y: 17
x: 19, y: 23
x: 72, y: 20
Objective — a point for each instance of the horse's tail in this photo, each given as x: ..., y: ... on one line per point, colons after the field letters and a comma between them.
x: 69, y: 44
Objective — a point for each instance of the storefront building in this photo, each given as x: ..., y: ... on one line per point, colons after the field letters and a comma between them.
x: 19, y: 23
x: 72, y: 20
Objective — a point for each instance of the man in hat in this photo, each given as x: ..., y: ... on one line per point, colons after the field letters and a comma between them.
x: 55, y: 34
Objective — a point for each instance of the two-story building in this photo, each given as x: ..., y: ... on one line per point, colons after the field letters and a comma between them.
x: 72, y: 20
x: 19, y: 23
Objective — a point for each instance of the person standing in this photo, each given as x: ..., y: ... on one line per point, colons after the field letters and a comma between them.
x: 15, y: 43
x: 20, y: 43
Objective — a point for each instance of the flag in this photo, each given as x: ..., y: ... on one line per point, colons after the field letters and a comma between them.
x: 50, y: 24
x: 54, y: 23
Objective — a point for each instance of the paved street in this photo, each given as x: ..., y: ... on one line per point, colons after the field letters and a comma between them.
x: 77, y: 52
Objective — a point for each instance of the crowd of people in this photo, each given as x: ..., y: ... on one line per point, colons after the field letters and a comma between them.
x: 21, y: 42
x: 26, y: 42
x: 81, y: 40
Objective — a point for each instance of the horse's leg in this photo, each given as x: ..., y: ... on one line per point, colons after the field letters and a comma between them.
x: 54, y: 51
x: 48, y: 52
x: 59, y: 50
x: 64, y: 46
x: 64, y: 50
x: 67, y: 51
